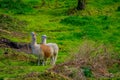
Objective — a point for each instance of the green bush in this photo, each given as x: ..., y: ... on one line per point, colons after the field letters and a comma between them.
x: 87, y: 25
x: 87, y: 72
x: 92, y: 32
x: 118, y: 9
x: 9, y: 23
x: 15, y: 6
x: 77, y: 20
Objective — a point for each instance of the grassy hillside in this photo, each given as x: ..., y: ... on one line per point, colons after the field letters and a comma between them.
x: 64, y: 25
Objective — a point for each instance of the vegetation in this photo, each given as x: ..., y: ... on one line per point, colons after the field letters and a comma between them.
x: 88, y: 39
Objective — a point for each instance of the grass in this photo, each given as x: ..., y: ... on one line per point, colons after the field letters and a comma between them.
x: 18, y: 64
x: 15, y: 71
x: 99, y: 22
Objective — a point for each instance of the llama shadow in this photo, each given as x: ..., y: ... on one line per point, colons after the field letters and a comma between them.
x: 20, y: 47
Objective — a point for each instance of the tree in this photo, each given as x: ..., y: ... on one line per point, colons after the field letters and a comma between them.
x: 43, y: 3
x: 56, y: 3
x: 81, y: 4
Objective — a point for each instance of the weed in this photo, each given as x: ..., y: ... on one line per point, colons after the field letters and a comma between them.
x: 87, y: 72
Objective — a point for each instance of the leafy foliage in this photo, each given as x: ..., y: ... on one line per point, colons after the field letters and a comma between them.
x: 15, y: 6
x: 9, y: 23
x: 87, y: 72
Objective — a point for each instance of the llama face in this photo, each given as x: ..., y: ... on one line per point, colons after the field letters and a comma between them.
x: 44, y: 36
x: 43, y: 39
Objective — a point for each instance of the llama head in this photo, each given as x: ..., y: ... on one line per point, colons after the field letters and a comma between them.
x: 43, y: 39
x: 44, y: 36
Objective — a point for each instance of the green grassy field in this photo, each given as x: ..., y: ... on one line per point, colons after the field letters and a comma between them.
x: 99, y: 22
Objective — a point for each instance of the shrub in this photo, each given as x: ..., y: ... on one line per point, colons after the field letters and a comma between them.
x: 9, y: 23
x: 87, y: 25
x: 92, y: 32
x: 77, y: 20
x: 15, y: 6
x: 118, y: 9
x: 87, y: 72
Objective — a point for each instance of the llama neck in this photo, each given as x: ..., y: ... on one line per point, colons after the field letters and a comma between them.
x: 34, y: 41
x: 43, y: 40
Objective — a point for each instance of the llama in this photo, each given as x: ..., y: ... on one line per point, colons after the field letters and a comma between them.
x: 53, y: 45
x: 42, y: 51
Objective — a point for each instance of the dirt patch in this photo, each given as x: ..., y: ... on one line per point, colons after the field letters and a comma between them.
x: 23, y: 47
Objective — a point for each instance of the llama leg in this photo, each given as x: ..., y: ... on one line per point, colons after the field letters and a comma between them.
x: 38, y: 60
x: 43, y: 63
x: 52, y: 60
x: 55, y: 58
